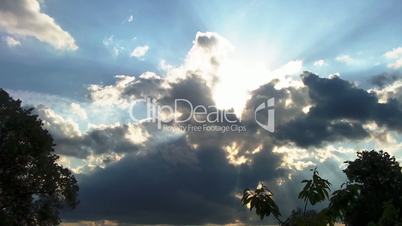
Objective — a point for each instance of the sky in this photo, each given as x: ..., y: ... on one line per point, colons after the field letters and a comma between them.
x: 333, y: 69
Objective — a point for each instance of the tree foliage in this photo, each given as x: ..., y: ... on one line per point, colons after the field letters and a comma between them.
x: 390, y: 216
x: 371, y: 196
x: 342, y: 201
x: 261, y: 200
x: 374, y: 182
x: 33, y: 187
x: 315, y: 190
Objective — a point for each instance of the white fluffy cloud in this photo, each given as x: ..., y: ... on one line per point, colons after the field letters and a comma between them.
x: 12, y: 42
x: 346, y: 59
x: 56, y: 124
x: 319, y: 63
x: 139, y: 51
x: 111, y: 94
x: 24, y: 18
x: 78, y: 110
x: 396, y: 55
x: 205, y: 58
x: 301, y: 158
x: 393, y: 90
x: 396, y: 65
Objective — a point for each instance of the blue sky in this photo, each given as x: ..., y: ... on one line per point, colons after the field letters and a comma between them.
x: 82, y: 64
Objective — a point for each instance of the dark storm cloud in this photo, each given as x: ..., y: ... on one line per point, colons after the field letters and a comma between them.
x: 192, y: 88
x: 195, y: 90
x: 145, y: 87
x: 309, y: 132
x: 297, y: 98
x: 339, y: 99
x: 172, y: 184
x: 384, y: 79
x: 97, y: 141
x: 118, y: 138
x: 339, y: 111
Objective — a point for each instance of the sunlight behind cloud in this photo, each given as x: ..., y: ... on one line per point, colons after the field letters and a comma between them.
x: 239, y: 76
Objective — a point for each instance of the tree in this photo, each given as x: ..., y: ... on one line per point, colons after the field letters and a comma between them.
x: 315, y: 191
x: 390, y: 216
x: 261, y: 200
x: 33, y: 187
x: 374, y: 183
x: 343, y: 201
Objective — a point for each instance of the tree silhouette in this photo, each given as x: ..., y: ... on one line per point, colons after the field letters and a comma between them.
x: 372, y: 195
x: 261, y: 200
x: 374, y: 183
x: 315, y: 191
x: 390, y: 216
x: 33, y: 187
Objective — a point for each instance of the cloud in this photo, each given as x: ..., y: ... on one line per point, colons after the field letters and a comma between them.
x: 298, y: 158
x: 346, y: 59
x: 110, y: 94
x: 208, y: 52
x: 203, y: 59
x: 384, y: 79
x: 163, y: 186
x: 396, y: 55
x: 11, y: 42
x: 339, y: 110
x: 57, y: 125
x: 127, y: 89
x: 108, y: 139
x: 148, y: 85
x: 139, y: 51
x: 24, y: 18
x: 319, y: 63
x: 130, y: 19
x: 396, y: 65
x: 78, y: 110
x: 99, y: 141
x: 389, y: 92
